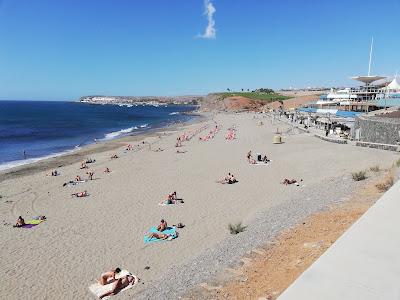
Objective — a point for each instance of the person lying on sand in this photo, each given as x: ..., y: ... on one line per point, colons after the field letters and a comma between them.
x: 290, y: 181
x: 105, y: 277
x: 159, y: 235
x: 232, y: 179
x: 120, y: 284
x: 83, y: 165
x: 90, y: 160
x: 78, y: 178
x: 179, y: 151
x: 265, y: 159
x: 80, y: 194
x: 163, y: 225
x: 69, y: 183
x: 53, y: 173
x: 41, y: 218
x: 114, y: 156
x: 159, y: 150
x: 20, y: 222
x: 107, y: 170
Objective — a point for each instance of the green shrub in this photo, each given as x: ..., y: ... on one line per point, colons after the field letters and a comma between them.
x: 375, y: 168
x: 358, y: 176
x: 398, y: 163
x: 236, y: 228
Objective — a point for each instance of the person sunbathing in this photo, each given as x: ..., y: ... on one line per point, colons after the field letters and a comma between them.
x: 225, y: 179
x: 107, y: 170
x: 54, y: 173
x: 248, y: 154
x: 159, y: 235
x: 78, y: 178
x: 163, y: 225
x: 80, y: 194
x: 290, y: 181
x: 105, y: 277
x: 232, y: 179
x: 120, y: 284
x: 83, y: 165
x: 265, y: 159
x: 173, y: 196
x: 114, y: 156
x: 20, y: 222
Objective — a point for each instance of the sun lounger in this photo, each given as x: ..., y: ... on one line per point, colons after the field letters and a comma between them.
x: 97, y: 289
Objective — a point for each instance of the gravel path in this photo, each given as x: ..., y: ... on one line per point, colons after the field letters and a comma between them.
x: 266, y: 225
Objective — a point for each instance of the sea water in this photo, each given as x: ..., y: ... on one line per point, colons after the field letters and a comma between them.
x: 33, y: 130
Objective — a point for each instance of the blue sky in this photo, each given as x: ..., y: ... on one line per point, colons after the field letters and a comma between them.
x: 61, y: 50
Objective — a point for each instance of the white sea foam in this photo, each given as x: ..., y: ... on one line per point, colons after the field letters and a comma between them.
x: 113, y: 135
x: 174, y: 113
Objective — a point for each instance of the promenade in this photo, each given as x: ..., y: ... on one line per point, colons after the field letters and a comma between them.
x: 362, y: 264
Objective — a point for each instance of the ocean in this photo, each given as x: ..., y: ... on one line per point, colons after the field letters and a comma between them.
x: 47, y: 128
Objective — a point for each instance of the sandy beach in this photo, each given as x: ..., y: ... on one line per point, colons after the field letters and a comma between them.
x: 84, y: 237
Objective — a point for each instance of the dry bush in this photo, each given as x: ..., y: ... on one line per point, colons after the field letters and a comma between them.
x: 386, y: 184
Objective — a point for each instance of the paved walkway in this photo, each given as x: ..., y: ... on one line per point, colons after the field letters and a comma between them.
x: 364, y: 263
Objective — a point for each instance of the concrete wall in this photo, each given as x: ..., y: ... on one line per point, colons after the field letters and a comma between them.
x: 377, y: 130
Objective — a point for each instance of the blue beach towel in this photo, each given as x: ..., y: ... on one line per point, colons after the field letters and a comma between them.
x: 170, y: 230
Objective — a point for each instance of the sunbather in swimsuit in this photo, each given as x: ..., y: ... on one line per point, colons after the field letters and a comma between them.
x: 105, y: 277
x: 163, y: 225
x: 80, y: 194
x: 120, y: 284
x: 158, y: 235
x: 20, y: 222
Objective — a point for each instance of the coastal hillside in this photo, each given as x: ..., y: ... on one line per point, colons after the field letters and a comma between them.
x: 239, y: 101
x: 139, y: 100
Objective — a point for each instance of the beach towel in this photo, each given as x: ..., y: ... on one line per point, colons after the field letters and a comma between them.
x: 31, y: 223
x: 97, y: 289
x: 170, y: 230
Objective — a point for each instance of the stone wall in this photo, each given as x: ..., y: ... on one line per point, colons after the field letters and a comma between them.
x: 377, y: 130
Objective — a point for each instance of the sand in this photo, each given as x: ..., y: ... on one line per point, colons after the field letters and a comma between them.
x: 84, y: 237
x: 269, y: 270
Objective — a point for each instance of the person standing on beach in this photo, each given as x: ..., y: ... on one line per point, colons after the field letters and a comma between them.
x: 24, y: 154
x: 90, y: 173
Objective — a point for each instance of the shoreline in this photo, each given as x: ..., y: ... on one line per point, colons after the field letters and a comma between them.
x: 68, y: 157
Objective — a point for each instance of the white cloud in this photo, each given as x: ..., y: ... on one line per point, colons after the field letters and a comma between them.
x: 209, y: 11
